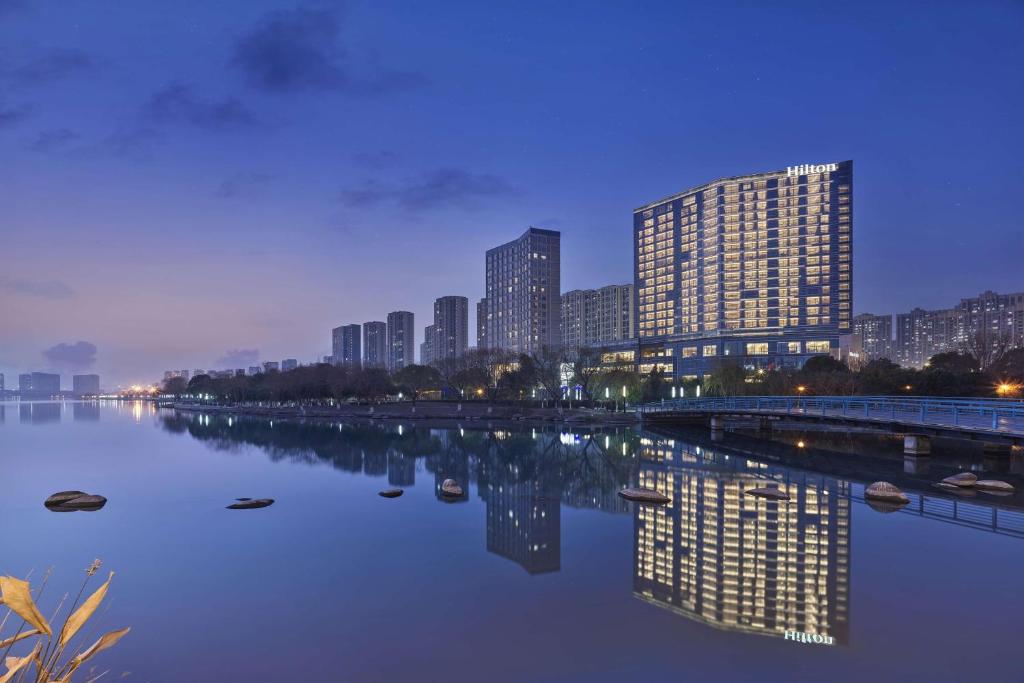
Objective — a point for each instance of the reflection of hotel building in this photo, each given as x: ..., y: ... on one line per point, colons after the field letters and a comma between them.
x: 739, y: 562
x: 756, y: 269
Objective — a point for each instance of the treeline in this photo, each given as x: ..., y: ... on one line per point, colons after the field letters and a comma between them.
x: 946, y: 374
x: 553, y: 374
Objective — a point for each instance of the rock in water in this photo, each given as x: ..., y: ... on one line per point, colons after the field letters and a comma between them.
x: 645, y: 496
x: 391, y: 493
x: 993, y: 486
x: 767, y: 492
x: 62, y: 497
x: 885, y: 492
x: 86, y: 502
x: 251, y: 504
x: 953, y: 488
x: 451, y: 488
x: 884, y: 506
x: 962, y: 479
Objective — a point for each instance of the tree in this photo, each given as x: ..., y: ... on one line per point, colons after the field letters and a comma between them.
x: 490, y: 364
x: 728, y: 379
x: 953, y: 361
x: 585, y: 363
x: 175, y: 386
x: 882, y: 377
x: 546, y: 365
x: 817, y: 364
x: 417, y: 378
x: 1010, y: 366
x: 986, y: 346
x: 653, y: 387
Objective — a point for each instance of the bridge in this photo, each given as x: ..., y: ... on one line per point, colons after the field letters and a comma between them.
x: 990, y: 420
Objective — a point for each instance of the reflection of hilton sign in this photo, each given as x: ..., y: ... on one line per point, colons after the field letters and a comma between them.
x: 815, y: 638
x: 804, y: 169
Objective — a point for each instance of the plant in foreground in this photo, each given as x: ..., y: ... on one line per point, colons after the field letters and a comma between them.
x: 50, y: 658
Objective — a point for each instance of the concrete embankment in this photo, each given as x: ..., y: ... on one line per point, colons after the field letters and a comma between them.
x: 424, y: 410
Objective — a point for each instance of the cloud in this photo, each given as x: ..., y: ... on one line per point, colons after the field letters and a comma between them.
x: 12, y: 116
x: 50, y: 66
x: 133, y: 141
x: 296, y: 50
x: 77, y: 356
x: 51, y: 139
x: 46, y: 289
x: 238, y: 358
x: 242, y: 184
x: 375, y: 160
x: 441, y: 187
x: 179, y: 103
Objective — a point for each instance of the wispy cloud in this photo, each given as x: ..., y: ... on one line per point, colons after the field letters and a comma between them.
x: 179, y: 103
x: 299, y: 49
x: 238, y: 358
x: 50, y: 66
x: 46, y: 289
x: 49, y: 140
x: 441, y: 187
x: 13, y: 115
x: 77, y: 356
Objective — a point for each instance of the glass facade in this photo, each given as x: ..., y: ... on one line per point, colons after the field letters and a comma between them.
x: 745, y: 267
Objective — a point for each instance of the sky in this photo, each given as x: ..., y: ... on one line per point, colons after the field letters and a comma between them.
x: 204, y: 185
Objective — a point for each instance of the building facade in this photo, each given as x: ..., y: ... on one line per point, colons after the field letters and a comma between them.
x: 988, y: 318
x: 39, y: 384
x: 481, y: 323
x: 596, y: 317
x: 448, y: 337
x: 427, y: 346
x: 754, y: 269
x: 523, y: 292
x: 83, y: 385
x: 289, y: 364
x: 375, y: 344
x: 872, y: 337
x: 401, y: 340
x: 346, y: 345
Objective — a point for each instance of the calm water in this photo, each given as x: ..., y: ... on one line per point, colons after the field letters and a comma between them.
x: 542, y: 573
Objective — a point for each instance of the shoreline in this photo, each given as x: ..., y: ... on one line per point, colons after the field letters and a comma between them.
x: 425, y: 410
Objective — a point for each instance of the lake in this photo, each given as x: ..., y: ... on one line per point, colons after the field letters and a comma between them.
x: 540, y: 572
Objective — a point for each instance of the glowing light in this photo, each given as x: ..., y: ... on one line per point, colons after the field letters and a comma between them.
x: 800, y: 444
x: 1007, y: 389
x: 479, y: 392
x: 801, y: 389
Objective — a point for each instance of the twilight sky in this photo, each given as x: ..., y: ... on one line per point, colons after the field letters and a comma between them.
x: 204, y: 184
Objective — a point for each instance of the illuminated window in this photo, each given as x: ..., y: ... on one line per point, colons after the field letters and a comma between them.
x: 688, y: 351
x: 710, y: 350
x: 793, y: 347
x: 759, y: 349
x: 817, y: 347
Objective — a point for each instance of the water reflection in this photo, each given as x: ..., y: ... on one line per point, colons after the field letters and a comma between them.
x: 740, y: 562
x: 37, y: 413
x: 85, y: 411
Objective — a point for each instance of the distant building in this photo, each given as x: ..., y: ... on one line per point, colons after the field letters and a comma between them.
x: 83, y: 385
x: 346, y: 343
x: 171, y: 374
x: 872, y: 337
x: 481, y: 323
x: 255, y: 370
x: 271, y: 365
x: 1, y: 382
x: 328, y: 359
x: 523, y: 290
x: 427, y: 346
x: 289, y: 364
x: 595, y: 317
x: 401, y: 340
x: 38, y: 384
x: 996, y: 318
x: 375, y: 344
x: 754, y: 269
x: 239, y: 372
x: 196, y: 373
x: 448, y: 336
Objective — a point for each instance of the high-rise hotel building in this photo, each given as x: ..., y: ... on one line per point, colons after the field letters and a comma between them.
x: 522, y: 306
x: 754, y: 268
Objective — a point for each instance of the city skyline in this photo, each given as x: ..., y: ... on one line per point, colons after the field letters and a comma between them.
x: 137, y: 164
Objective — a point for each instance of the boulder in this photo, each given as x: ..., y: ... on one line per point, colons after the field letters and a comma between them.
x: 451, y: 488
x: 953, y: 488
x: 251, y: 504
x: 645, y: 496
x: 993, y: 486
x: 390, y: 493
x: 768, y: 492
x: 84, y: 502
x: 885, y: 492
x: 883, y: 506
x: 62, y: 497
x: 962, y: 479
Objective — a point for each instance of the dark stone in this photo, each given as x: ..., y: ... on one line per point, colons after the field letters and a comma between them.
x: 883, y: 506
x: 962, y: 479
x: 62, y: 497
x: 391, y: 493
x: 767, y: 492
x: 993, y: 486
x: 885, y: 492
x: 649, y: 496
x: 251, y: 504
x: 954, y: 489
x: 451, y: 488
x: 85, y: 502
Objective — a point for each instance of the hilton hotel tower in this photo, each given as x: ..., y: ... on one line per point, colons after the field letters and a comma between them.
x: 755, y: 269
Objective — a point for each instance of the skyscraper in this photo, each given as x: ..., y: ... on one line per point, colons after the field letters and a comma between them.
x: 38, y: 384
x: 427, y: 346
x: 523, y: 292
x: 346, y: 345
x: 448, y: 337
x: 755, y: 269
x: 481, y: 323
x: 592, y: 317
x: 401, y: 340
x: 289, y: 364
x: 375, y: 344
x: 85, y: 384
x: 872, y: 337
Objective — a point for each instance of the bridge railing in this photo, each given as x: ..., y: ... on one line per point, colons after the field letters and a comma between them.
x: 994, y: 414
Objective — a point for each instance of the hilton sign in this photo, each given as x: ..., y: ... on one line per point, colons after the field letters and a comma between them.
x: 804, y: 169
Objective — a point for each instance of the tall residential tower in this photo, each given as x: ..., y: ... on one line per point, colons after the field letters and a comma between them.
x: 401, y: 340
